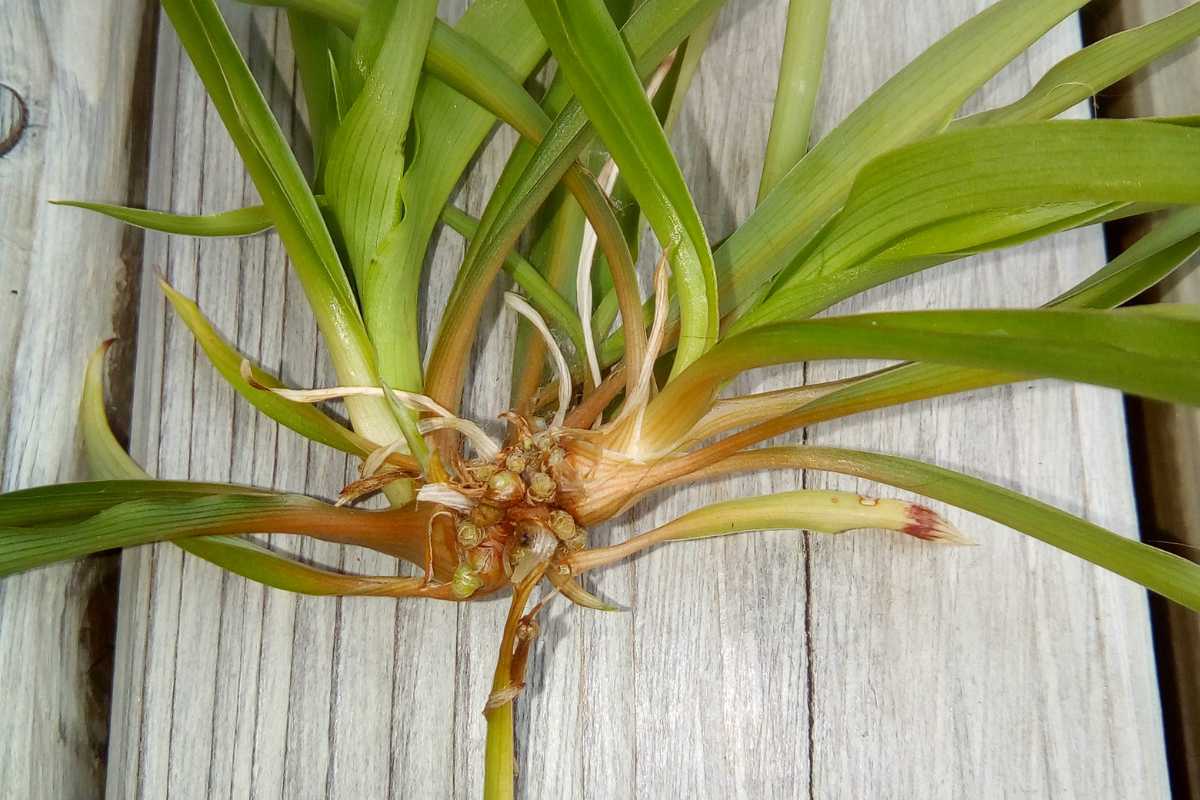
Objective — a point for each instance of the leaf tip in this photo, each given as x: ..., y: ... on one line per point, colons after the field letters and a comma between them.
x: 929, y: 526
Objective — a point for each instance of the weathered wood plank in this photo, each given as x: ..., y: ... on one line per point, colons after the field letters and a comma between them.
x: 1167, y: 437
x: 72, y: 121
x: 1008, y: 669
x: 709, y: 687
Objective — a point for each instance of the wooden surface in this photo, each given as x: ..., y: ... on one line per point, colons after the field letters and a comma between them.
x: 779, y: 665
x: 1168, y: 438
x: 71, y: 125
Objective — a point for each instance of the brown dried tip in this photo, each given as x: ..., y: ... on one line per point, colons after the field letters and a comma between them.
x: 248, y: 376
x: 929, y: 526
x: 369, y: 485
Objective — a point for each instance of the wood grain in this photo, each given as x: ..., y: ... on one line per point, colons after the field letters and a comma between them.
x: 1011, y: 668
x: 72, y: 120
x: 1167, y: 438
x: 774, y: 666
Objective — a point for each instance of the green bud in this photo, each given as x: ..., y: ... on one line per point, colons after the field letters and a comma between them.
x: 466, y: 582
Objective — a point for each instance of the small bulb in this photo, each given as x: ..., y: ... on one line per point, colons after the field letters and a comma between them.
x: 484, y: 515
x: 542, y: 488
x: 505, y: 488
x: 482, y: 472
x: 468, y: 534
x: 466, y: 582
x: 563, y: 524
x: 577, y: 542
x: 482, y: 559
x: 516, y: 461
x: 556, y: 457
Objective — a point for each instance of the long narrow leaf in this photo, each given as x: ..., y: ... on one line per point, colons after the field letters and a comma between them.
x: 651, y: 32
x: 1159, y: 571
x: 918, y: 101
x: 1087, y: 72
x: 1153, y: 257
x: 108, y: 461
x: 238, y: 222
x: 1154, y: 353
x: 591, y: 53
x: 909, y: 201
x: 304, y: 418
x: 367, y: 158
x: 796, y: 95
x: 450, y: 130
x: 287, y: 197
x: 808, y: 509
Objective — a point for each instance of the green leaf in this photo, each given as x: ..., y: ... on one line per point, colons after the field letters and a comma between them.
x: 1154, y: 353
x: 315, y: 43
x: 593, y: 56
x: 1157, y: 254
x: 258, y: 563
x: 471, y: 70
x: 367, y: 154
x: 911, y: 202
x: 304, y: 418
x: 1147, y: 261
x: 345, y: 14
x: 450, y: 130
x: 126, y: 481
x: 1159, y: 571
x: 668, y: 104
x: 67, y: 521
x: 651, y: 32
x: 238, y: 222
x: 796, y: 94
x: 917, y: 102
x: 808, y: 509
x: 65, y: 502
x: 288, y: 201
x: 1086, y: 72
x: 141, y: 521
x: 548, y: 301
x: 106, y: 458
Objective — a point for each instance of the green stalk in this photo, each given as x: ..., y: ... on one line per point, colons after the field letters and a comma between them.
x: 799, y: 81
x: 544, y: 297
x: 499, y: 777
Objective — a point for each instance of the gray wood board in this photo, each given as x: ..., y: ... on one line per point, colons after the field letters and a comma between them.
x: 72, y: 123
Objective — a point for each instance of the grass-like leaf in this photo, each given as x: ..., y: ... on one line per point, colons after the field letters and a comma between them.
x: 304, y: 418
x: 238, y: 222
x: 288, y: 200
x: 918, y: 101
x: 796, y: 95
x: 449, y: 131
x: 591, y: 53
x: 807, y: 509
x: 911, y: 203
x: 654, y: 29
x: 1151, y: 352
x: 1087, y: 72
x: 1167, y: 574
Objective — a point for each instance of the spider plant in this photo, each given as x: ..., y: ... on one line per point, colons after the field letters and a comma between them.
x: 618, y: 392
